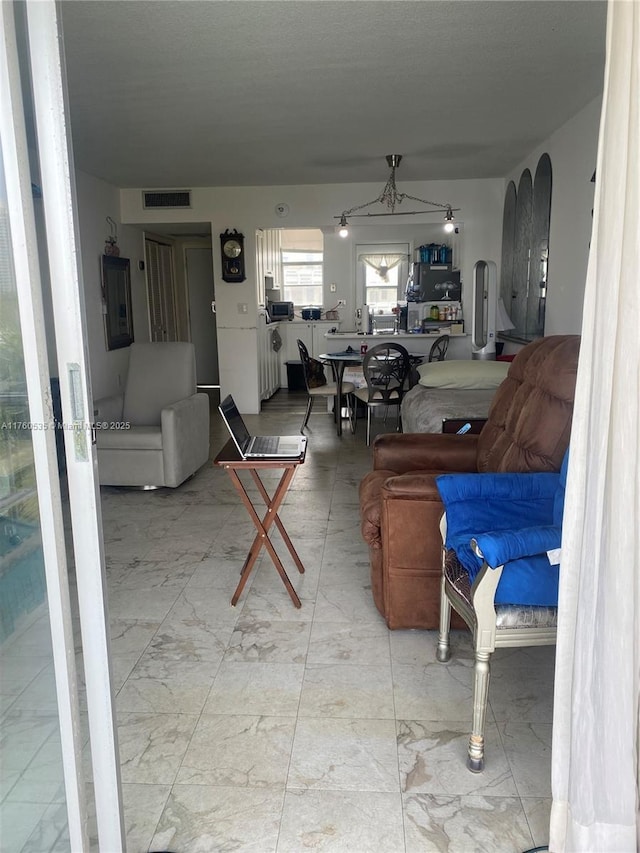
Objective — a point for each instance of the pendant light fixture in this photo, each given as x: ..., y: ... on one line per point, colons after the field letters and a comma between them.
x: 391, y: 198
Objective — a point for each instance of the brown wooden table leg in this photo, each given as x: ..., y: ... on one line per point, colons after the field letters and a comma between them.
x: 278, y: 522
x: 262, y: 528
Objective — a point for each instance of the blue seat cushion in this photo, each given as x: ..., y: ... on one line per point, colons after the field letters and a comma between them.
x: 482, y: 503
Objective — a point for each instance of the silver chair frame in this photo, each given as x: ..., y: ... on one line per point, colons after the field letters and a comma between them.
x: 482, y: 615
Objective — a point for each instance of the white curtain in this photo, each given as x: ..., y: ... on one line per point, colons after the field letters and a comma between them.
x: 383, y: 263
x: 596, y: 714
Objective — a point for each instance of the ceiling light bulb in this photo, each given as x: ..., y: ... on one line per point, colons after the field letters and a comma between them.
x: 449, y: 223
x: 344, y: 231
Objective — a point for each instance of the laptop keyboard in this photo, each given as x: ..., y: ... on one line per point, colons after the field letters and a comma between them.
x: 265, y: 444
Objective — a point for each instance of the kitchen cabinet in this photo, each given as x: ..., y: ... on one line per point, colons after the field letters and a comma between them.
x: 312, y: 334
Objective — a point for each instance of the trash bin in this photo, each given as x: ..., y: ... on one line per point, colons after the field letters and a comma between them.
x: 295, y: 376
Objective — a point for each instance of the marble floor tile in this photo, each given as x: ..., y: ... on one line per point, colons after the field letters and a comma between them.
x: 143, y: 807
x: 220, y: 570
x: 256, y: 689
x: 269, y: 642
x: 188, y: 635
x: 416, y: 647
x: 182, y: 548
x: 204, y: 819
x: 523, y: 694
x: 347, y: 601
x: 339, y: 642
x: 528, y: 750
x: 131, y: 636
x: 471, y: 824
x: 147, y: 574
x: 344, y: 755
x: 138, y: 605
x: 127, y: 548
x: 432, y: 757
x: 162, y: 687
x: 341, y: 822
x: 152, y: 746
x: 238, y: 751
x: 538, y: 812
x: 342, y: 690
x: 433, y: 692
x: 206, y: 610
x: 274, y: 604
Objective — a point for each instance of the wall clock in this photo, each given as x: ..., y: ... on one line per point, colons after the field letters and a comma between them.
x: 232, y: 247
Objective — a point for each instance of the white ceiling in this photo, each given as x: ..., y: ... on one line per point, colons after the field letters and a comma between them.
x: 236, y: 92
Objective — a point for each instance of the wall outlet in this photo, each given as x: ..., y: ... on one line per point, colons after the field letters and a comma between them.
x: 333, y: 287
x: 342, y: 303
x: 243, y: 307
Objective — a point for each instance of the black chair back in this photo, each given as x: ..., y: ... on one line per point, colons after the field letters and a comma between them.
x: 314, y: 375
x: 386, y: 368
x: 439, y: 348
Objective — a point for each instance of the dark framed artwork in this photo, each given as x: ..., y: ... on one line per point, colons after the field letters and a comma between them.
x: 116, y: 293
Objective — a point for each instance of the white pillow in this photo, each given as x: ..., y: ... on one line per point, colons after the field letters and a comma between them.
x: 463, y: 374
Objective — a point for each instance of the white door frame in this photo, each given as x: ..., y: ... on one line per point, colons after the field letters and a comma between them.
x: 58, y: 185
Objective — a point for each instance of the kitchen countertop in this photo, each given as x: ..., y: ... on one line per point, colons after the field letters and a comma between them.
x: 404, y: 335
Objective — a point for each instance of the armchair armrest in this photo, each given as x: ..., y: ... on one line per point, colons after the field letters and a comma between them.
x: 109, y: 408
x: 185, y: 437
x: 499, y: 547
x: 425, y: 451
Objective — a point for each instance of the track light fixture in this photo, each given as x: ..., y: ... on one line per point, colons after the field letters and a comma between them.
x: 449, y: 221
x: 391, y: 198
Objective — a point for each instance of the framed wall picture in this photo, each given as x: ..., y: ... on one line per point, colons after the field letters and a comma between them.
x: 116, y: 293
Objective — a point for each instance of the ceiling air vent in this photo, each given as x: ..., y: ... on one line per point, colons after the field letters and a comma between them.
x: 167, y: 198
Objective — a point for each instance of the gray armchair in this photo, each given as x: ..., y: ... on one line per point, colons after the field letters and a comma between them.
x: 157, y: 432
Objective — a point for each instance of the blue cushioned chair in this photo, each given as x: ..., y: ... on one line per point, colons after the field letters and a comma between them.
x: 501, y: 555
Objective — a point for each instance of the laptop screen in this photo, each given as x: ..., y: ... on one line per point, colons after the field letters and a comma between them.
x: 235, y: 422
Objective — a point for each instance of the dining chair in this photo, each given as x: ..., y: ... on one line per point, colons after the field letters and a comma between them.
x: 439, y: 348
x: 386, y: 369
x: 316, y: 384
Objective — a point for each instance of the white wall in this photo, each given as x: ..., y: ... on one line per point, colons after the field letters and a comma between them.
x: 96, y: 201
x: 572, y: 149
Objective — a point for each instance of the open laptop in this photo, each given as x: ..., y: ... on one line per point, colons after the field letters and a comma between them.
x: 259, y: 446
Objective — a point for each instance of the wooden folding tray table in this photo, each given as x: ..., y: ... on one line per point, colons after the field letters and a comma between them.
x: 230, y: 459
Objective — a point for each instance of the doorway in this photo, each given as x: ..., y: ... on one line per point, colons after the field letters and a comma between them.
x: 198, y: 270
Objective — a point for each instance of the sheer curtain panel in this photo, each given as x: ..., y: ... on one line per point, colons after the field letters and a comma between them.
x: 595, y: 726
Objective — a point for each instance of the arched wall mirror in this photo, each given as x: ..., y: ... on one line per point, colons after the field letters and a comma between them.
x: 525, y: 252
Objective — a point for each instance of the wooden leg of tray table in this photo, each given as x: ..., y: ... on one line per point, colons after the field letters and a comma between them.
x: 262, y: 535
x: 276, y: 519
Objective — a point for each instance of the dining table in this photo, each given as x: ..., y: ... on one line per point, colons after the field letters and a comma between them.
x: 339, y: 362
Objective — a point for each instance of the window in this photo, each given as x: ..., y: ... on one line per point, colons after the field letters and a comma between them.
x: 381, y: 275
x: 301, y: 255
x: 381, y: 287
x: 302, y: 277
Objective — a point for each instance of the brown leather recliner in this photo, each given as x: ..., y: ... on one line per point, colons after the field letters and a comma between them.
x: 528, y: 429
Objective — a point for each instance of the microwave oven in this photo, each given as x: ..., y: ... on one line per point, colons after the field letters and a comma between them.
x: 280, y: 310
